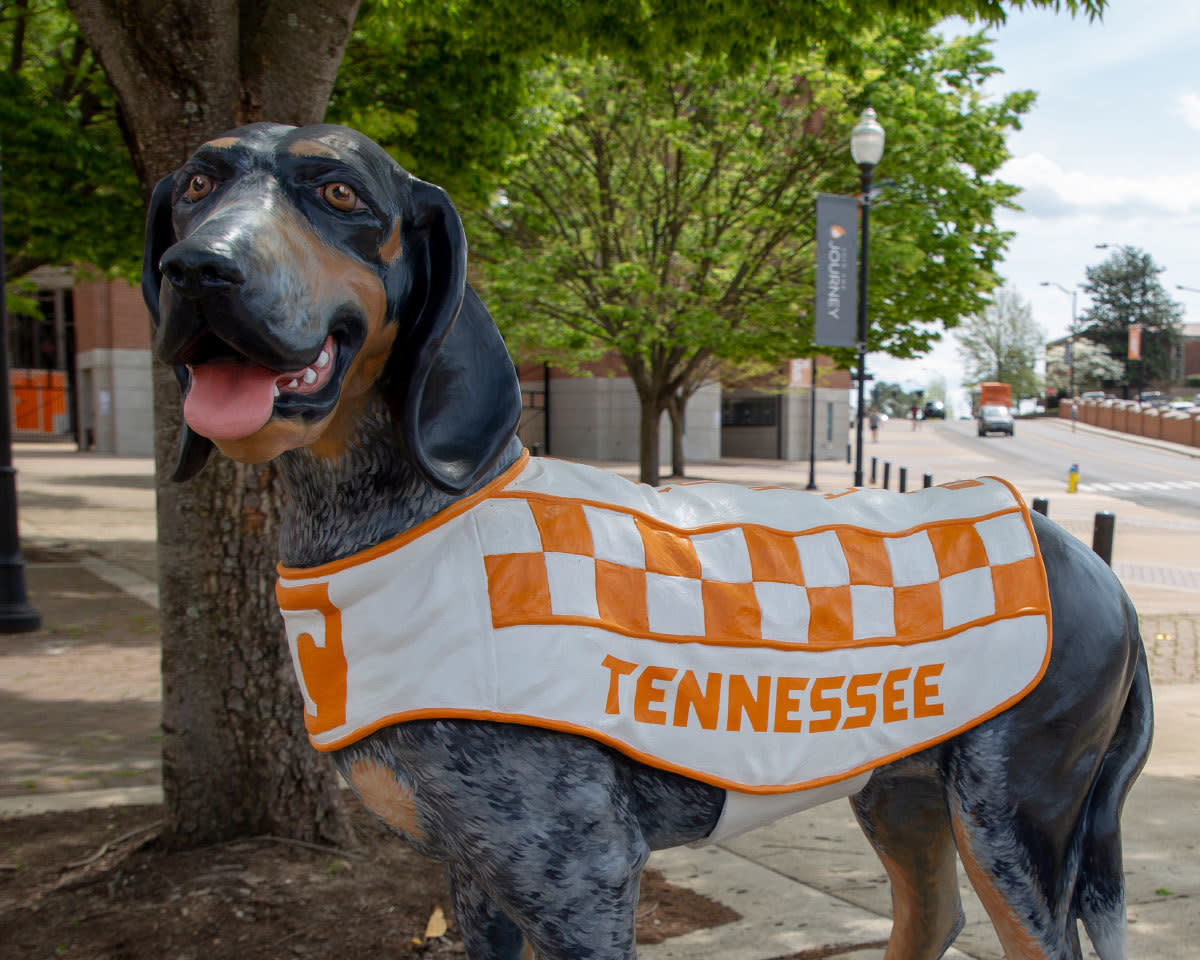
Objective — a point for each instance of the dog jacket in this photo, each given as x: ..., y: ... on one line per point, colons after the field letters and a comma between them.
x: 763, y: 640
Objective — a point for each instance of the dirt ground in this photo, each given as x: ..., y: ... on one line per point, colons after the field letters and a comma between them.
x: 79, y: 710
x: 94, y: 885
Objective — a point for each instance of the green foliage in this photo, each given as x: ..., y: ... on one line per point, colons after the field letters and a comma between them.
x: 894, y: 400
x: 1002, y: 342
x: 1125, y: 290
x: 70, y: 192
x: 669, y: 215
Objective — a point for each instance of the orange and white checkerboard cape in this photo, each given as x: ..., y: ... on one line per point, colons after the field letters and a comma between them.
x: 767, y: 641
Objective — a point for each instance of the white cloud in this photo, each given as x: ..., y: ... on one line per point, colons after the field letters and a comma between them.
x: 1051, y: 191
x: 1189, y: 106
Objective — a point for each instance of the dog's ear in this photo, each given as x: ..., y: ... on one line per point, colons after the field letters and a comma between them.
x: 454, y: 393
x: 160, y: 236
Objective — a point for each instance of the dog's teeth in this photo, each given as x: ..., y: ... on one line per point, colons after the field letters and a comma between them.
x: 322, y: 360
x: 293, y: 385
x: 276, y: 390
x: 310, y: 375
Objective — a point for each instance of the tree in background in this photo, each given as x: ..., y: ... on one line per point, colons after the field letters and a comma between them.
x: 235, y: 758
x: 1094, y: 366
x: 894, y: 400
x: 70, y: 193
x: 1002, y: 342
x: 669, y: 215
x: 1125, y: 290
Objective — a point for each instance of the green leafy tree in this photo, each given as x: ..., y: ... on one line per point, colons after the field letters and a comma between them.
x: 235, y: 761
x: 893, y: 399
x: 670, y: 216
x: 1125, y: 290
x: 1003, y: 342
x: 70, y: 193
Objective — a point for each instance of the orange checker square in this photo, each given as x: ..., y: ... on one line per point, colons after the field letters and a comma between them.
x: 831, y: 620
x: 668, y: 551
x: 958, y: 548
x: 563, y: 526
x: 773, y: 556
x: 731, y: 611
x: 518, y: 588
x: 917, y: 609
x: 621, y: 596
x: 866, y: 557
x: 1016, y: 585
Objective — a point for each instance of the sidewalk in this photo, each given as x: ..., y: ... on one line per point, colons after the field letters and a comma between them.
x: 79, y: 703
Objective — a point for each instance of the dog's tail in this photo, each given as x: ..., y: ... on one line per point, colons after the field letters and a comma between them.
x: 1100, y: 894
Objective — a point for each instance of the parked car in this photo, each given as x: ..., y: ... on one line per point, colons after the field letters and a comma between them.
x: 995, y: 419
x: 1092, y: 395
x: 935, y: 410
x: 1154, y: 397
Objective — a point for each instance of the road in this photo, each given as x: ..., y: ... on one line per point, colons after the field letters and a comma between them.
x: 1152, y: 477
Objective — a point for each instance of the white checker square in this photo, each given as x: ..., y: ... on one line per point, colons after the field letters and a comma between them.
x: 572, y: 580
x: 912, y: 558
x: 507, y: 526
x: 873, y: 610
x: 822, y: 560
x: 968, y: 596
x: 724, y: 556
x: 1005, y: 538
x: 785, y: 611
x: 674, y: 605
x: 615, y: 537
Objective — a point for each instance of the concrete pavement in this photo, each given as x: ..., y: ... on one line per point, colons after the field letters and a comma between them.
x: 806, y: 882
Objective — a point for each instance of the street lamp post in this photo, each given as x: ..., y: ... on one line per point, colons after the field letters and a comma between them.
x: 1073, y: 293
x: 16, y: 614
x: 866, y: 147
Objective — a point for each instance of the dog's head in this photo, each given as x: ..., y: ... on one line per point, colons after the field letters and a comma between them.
x: 291, y: 271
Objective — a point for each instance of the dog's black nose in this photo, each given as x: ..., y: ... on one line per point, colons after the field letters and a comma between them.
x: 196, y: 271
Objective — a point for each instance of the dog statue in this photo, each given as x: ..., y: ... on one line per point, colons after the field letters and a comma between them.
x: 312, y: 298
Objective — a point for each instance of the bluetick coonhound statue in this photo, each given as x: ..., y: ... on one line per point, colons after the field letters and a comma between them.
x: 312, y: 298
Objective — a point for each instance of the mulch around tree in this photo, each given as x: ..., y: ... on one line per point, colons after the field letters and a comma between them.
x: 96, y: 885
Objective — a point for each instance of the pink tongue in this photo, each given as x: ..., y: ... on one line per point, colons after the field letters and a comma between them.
x: 228, y: 400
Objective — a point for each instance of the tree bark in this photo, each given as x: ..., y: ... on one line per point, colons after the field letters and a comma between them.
x: 676, y: 406
x: 236, y: 761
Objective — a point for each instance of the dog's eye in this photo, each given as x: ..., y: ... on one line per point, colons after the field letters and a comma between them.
x: 199, y: 187
x: 340, y: 196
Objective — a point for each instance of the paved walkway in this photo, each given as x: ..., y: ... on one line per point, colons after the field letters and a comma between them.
x: 80, y: 704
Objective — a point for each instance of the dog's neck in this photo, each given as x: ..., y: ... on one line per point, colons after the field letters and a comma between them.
x: 339, y: 507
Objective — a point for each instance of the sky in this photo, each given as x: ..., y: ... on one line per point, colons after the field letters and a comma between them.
x: 1109, y: 153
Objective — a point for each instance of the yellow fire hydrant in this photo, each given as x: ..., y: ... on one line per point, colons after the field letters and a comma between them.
x: 1073, y: 478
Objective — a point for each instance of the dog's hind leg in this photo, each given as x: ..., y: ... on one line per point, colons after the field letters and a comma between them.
x: 487, y: 931
x: 1101, y: 892
x: 904, y: 816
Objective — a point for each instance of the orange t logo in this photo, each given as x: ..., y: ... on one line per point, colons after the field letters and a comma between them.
x: 323, y: 668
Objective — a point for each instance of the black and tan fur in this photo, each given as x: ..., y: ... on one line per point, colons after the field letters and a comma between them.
x: 255, y: 250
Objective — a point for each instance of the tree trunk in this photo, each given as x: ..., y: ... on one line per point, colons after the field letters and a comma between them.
x: 676, y: 407
x: 236, y: 761
x: 651, y: 412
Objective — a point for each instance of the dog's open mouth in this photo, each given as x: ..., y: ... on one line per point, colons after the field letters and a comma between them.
x: 230, y: 398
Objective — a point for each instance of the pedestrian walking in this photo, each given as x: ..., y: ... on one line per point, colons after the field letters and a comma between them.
x: 916, y: 411
x: 1074, y: 413
x: 874, y: 422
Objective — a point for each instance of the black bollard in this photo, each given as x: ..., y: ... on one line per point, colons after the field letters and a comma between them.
x: 874, y: 464
x: 848, y: 460
x: 887, y: 469
x: 928, y: 480
x: 1102, y: 535
x: 1042, y: 506
x: 904, y: 479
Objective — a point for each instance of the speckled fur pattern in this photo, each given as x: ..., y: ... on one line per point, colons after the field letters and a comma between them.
x: 545, y: 834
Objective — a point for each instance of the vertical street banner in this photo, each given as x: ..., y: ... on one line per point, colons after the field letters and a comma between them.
x: 1135, y: 341
x: 837, y: 270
